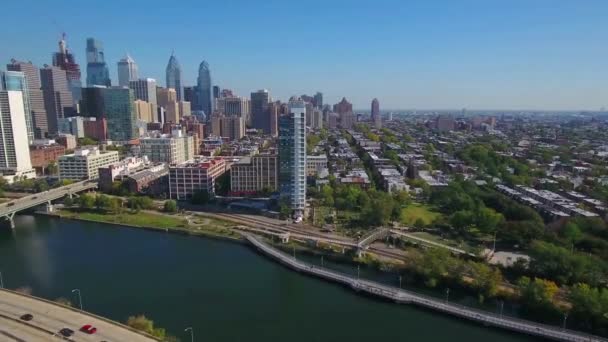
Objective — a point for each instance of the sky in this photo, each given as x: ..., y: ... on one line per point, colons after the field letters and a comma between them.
x: 427, y: 54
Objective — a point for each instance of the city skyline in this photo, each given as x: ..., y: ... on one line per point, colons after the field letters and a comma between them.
x: 521, y: 56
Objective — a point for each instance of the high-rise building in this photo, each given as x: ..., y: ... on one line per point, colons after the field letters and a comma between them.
x: 343, y: 106
x: 318, y: 100
x: 292, y: 156
x: 116, y: 105
x: 32, y: 94
x: 216, y: 92
x: 237, y: 105
x: 260, y: 118
x: 127, y: 71
x: 65, y: 60
x: 445, y: 123
x: 97, y: 69
x: 174, y: 77
x: 58, y: 101
x: 376, y: 117
x: 144, y: 89
x: 344, y: 109
x: 274, y: 108
x: 145, y: 111
x: 231, y: 127
x: 15, y: 160
x: 164, y: 96
x: 205, y: 88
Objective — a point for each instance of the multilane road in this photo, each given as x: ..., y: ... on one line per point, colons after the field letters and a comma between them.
x: 49, y: 318
x: 406, y: 297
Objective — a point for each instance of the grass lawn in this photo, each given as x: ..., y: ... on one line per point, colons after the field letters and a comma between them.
x: 142, y: 219
x: 415, y: 211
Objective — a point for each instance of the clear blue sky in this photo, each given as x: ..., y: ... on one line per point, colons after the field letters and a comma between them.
x: 484, y: 54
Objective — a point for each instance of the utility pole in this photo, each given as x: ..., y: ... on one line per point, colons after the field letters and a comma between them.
x: 447, y: 295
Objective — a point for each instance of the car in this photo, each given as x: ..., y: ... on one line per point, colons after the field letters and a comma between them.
x: 66, y: 332
x: 27, y: 317
x: 89, y: 329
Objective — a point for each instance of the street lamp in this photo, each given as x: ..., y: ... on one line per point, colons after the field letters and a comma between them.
x: 565, y: 318
x: 79, y: 297
x: 1, y: 281
x: 447, y: 295
x: 358, y: 271
x: 502, y: 304
x: 294, y: 252
x: 191, y: 333
x: 400, y: 282
x: 321, y: 261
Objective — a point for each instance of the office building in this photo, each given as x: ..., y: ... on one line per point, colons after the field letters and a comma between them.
x: 85, y: 163
x: 95, y: 128
x: 318, y: 100
x: 205, y: 89
x: 251, y: 175
x: 315, y: 164
x: 164, y: 96
x: 145, y: 111
x: 42, y: 155
x: 58, y: 100
x: 14, y: 145
x: 73, y: 125
x: 292, y: 156
x: 260, y: 118
x: 237, y: 106
x: 376, y: 117
x: 174, y: 77
x: 117, y: 106
x: 108, y: 173
x: 172, y: 148
x: 17, y: 81
x: 37, y: 117
x: 185, y: 109
x: 191, y: 95
x: 127, y: 71
x: 343, y: 106
x: 191, y: 177
x: 274, y: 108
x: 65, y: 60
x: 231, y: 127
x: 66, y: 140
x: 97, y: 69
x: 144, y: 89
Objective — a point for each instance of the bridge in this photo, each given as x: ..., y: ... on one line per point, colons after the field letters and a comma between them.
x: 48, y: 318
x: 8, y: 210
x: 376, y: 234
x: 406, y: 297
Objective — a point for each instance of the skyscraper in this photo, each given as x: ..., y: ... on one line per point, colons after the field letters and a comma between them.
x: 127, y: 71
x: 174, y: 77
x: 205, y: 88
x: 58, y: 100
x: 216, y: 92
x: 144, y: 89
x: 376, y: 117
x: 36, y: 120
x: 14, y: 146
x: 97, y: 69
x: 318, y: 100
x: 260, y: 118
x: 344, y: 109
x: 65, y: 60
x: 292, y: 156
x: 116, y: 105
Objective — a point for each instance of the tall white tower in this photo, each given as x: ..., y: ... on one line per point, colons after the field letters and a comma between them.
x: 127, y: 71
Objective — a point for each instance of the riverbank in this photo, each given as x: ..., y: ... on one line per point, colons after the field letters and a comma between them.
x: 153, y: 221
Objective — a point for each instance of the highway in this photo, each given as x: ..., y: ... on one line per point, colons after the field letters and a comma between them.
x: 49, y: 318
x: 407, y: 297
x: 9, y: 209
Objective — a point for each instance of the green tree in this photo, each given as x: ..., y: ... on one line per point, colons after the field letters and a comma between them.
x: 40, y: 185
x: 86, y: 201
x: 115, y: 205
x: 102, y: 202
x: 485, y: 279
x: 68, y: 202
x: 538, y: 292
x: 433, y: 265
x: 487, y: 219
x: 52, y: 168
x: 170, y: 206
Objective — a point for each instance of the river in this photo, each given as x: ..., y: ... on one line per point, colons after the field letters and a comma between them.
x: 225, y: 291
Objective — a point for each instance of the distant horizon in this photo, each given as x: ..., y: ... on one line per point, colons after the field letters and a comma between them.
x: 410, y: 54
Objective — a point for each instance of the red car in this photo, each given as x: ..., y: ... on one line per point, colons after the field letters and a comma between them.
x: 89, y: 329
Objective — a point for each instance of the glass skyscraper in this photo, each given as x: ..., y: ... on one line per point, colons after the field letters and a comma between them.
x: 174, y: 77
x: 205, y: 88
x: 97, y: 69
x: 292, y: 156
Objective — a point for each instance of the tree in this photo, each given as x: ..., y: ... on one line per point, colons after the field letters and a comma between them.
x: 284, y: 209
x: 538, y: 292
x: 68, y: 202
x: 102, y: 202
x: 115, y: 205
x: 485, y: 278
x: 52, y: 168
x: 86, y: 201
x: 433, y: 265
x: 571, y: 232
x: 170, y: 206
x: 63, y: 301
x: 487, y: 219
x: 40, y: 185
x: 142, y: 323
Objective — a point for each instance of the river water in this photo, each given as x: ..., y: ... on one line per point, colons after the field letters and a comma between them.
x: 225, y: 291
